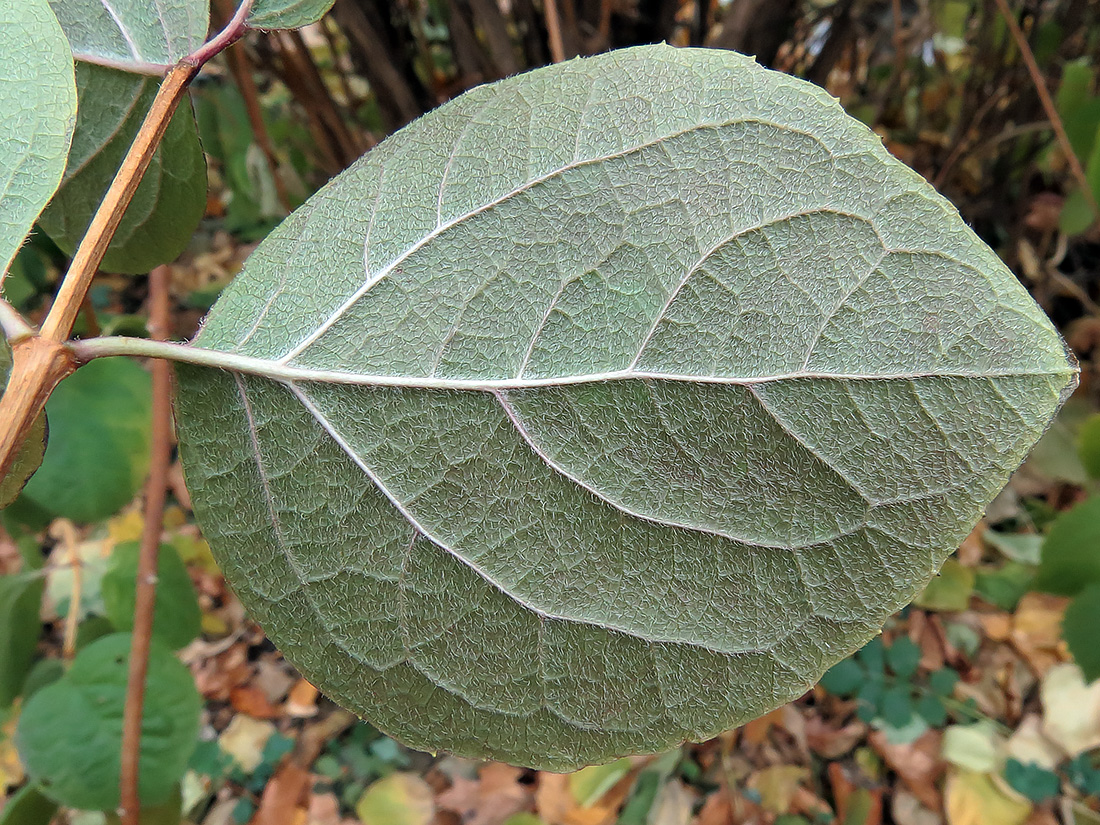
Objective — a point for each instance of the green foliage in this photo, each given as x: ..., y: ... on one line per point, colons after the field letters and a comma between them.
x: 37, y: 103
x: 355, y: 760
x: 70, y: 732
x: 1088, y: 445
x: 28, y: 806
x: 20, y: 600
x: 1034, y: 781
x: 883, y: 681
x: 169, y: 202
x: 1071, y: 552
x: 98, y: 451
x: 1006, y: 585
x: 177, y: 619
x: 287, y: 14
x: 1080, y: 627
x: 599, y: 370
x: 126, y: 32
x: 1079, y: 108
x: 1083, y: 771
x: 950, y: 590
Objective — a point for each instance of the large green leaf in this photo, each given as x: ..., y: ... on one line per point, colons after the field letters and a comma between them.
x: 98, y: 451
x: 169, y: 202
x: 70, y: 732
x: 117, y: 43
x: 20, y: 601
x: 287, y: 14
x: 606, y: 407
x: 37, y: 107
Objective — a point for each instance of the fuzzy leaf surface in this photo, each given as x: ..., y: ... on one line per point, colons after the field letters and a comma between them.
x: 606, y: 407
x: 37, y: 108
x: 287, y: 14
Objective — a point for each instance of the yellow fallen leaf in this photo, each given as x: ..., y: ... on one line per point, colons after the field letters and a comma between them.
x: 974, y: 799
x: 245, y: 739
x: 1071, y: 709
x: 398, y: 799
x: 777, y: 786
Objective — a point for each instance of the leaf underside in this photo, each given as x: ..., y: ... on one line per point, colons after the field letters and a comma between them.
x: 130, y: 31
x: 606, y: 407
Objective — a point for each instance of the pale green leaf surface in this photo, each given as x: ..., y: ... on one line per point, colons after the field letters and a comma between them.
x: 606, y: 407
x: 37, y: 109
x: 134, y: 31
x: 287, y: 14
x: 169, y: 202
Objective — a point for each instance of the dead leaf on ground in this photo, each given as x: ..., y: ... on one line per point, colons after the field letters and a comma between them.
x: 1071, y: 709
x: 490, y: 799
x: 974, y: 799
x: 284, y: 797
x: 245, y: 739
x: 777, y: 785
x: 398, y: 799
x: 918, y: 764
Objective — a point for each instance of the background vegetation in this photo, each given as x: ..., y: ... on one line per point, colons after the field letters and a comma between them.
x: 979, y: 704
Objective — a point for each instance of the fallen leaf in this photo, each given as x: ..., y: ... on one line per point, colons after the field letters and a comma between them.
x: 1071, y: 709
x: 244, y: 739
x: 556, y: 804
x: 976, y: 748
x: 398, y: 799
x: 756, y: 731
x: 777, y: 785
x: 284, y: 797
x: 492, y: 798
x: 919, y: 764
x: 974, y: 799
x: 908, y: 810
x: 831, y: 742
x: 250, y: 700
x: 1028, y: 744
x: 673, y: 805
x: 301, y: 702
x: 1037, y: 630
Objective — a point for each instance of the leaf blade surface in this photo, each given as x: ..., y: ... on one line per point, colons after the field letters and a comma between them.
x: 640, y: 389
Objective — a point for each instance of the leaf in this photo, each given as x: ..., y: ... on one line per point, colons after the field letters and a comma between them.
x: 974, y: 799
x: 1088, y: 445
x: 1033, y: 781
x: 20, y: 627
x: 1071, y: 709
x: 29, y: 456
x: 950, y: 590
x: 904, y: 657
x: 98, y: 451
x: 844, y: 678
x: 28, y: 806
x: 169, y: 202
x: 588, y: 785
x: 1079, y: 630
x: 639, y: 365
x: 130, y: 33
x: 70, y: 732
x: 37, y: 107
x: 287, y: 14
x: 177, y: 619
x: 975, y: 747
x: 1071, y: 552
x: 398, y: 799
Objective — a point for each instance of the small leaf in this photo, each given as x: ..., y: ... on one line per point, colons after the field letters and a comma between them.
x: 973, y: 799
x: 98, y: 452
x: 896, y: 706
x: 1005, y: 587
x: 1071, y: 552
x: 1079, y: 629
x: 950, y: 590
x: 844, y: 678
x: 637, y: 365
x: 28, y: 806
x: 943, y: 681
x: 398, y: 799
x: 177, y: 619
x: 932, y: 710
x: 588, y: 785
x: 1033, y: 781
x: 20, y: 627
x: 70, y: 733
x: 975, y: 747
x: 287, y: 14
x: 37, y: 107
x: 1025, y: 548
x: 904, y: 657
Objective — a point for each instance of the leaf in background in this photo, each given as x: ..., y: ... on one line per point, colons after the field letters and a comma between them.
x: 398, y: 799
x: 950, y: 590
x: 1071, y: 552
x: 29, y: 456
x: 28, y: 806
x: 655, y: 363
x: 98, y: 451
x: 37, y: 107
x: 114, y: 99
x: 287, y: 14
x: 177, y: 619
x: 1055, y: 457
x: 20, y: 627
x: 1079, y: 628
x: 70, y: 732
